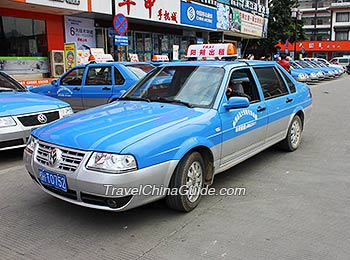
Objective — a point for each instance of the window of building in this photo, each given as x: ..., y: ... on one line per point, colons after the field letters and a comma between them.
x: 22, y: 37
x: 342, y: 17
x: 341, y: 35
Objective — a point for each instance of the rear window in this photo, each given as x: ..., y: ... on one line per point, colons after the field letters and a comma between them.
x: 344, y: 60
x: 140, y: 70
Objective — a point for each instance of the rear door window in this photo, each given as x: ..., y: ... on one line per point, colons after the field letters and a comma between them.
x: 271, y: 82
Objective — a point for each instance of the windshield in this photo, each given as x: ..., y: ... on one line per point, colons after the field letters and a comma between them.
x: 140, y: 70
x: 304, y: 64
x: 188, y: 84
x: 294, y: 65
x: 8, y: 84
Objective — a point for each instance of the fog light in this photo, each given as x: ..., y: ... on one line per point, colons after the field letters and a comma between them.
x: 112, y: 203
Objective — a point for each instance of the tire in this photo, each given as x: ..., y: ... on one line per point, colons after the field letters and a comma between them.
x: 192, y: 163
x: 293, y: 138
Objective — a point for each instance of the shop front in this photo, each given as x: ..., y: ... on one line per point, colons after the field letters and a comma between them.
x: 25, y: 41
x: 318, y: 49
x: 33, y: 34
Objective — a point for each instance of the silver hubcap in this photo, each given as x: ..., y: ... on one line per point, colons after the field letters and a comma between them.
x: 194, y: 181
x: 295, y: 134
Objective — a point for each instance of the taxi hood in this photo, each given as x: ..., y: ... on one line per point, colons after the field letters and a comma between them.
x: 17, y: 103
x: 113, y: 127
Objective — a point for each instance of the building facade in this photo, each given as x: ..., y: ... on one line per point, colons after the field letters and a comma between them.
x: 34, y: 32
x: 327, y: 27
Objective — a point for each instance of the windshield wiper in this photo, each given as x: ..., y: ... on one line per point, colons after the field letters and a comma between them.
x: 172, y: 101
x: 134, y: 99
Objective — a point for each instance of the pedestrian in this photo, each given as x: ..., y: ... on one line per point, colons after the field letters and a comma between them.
x: 284, y: 62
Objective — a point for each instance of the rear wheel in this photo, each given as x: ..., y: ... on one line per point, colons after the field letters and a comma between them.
x: 293, y: 138
x: 188, y: 179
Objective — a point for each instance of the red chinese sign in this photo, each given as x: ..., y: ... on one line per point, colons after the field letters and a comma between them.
x: 156, y: 10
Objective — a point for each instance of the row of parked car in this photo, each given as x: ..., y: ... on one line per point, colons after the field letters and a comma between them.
x: 95, y: 84
x: 314, y: 70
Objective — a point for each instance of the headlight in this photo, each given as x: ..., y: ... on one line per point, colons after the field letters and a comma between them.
x: 7, y: 121
x: 111, y: 163
x: 66, y: 111
x: 30, y: 148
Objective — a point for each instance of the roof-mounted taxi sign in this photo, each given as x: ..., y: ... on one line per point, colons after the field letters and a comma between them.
x: 160, y: 58
x: 217, y: 50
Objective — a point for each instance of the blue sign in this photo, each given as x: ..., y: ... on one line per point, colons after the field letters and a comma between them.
x: 198, y: 15
x: 199, y: 40
x: 120, y: 23
x: 121, y: 40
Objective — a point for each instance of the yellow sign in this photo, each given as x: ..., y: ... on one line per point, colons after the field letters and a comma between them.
x: 70, y: 55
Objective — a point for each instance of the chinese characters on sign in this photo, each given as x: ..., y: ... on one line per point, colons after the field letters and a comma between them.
x: 155, y: 10
x: 166, y: 16
x: 80, y: 31
x: 208, y: 50
x: 248, y: 5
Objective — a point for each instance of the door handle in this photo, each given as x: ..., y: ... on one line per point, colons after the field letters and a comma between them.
x: 106, y: 88
x: 76, y: 88
x: 288, y: 100
x: 260, y: 109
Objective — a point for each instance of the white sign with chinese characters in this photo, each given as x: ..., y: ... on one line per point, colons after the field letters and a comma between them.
x: 81, y: 31
x: 164, y: 11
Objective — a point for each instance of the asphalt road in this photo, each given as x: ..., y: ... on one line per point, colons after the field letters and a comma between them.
x: 297, y: 206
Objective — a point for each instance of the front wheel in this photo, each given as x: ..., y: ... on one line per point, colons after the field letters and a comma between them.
x: 293, y: 138
x: 188, y: 181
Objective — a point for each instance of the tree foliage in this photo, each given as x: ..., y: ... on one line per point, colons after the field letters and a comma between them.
x: 281, y: 26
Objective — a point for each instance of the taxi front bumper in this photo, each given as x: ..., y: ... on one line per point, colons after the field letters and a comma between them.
x: 102, y: 190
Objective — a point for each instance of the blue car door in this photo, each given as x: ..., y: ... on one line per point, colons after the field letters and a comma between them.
x: 244, y: 129
x: 69, y: 88
x: 98, y: 85
x: 278, y: 102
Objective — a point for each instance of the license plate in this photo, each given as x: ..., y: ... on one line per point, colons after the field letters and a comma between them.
x: 55, y: 180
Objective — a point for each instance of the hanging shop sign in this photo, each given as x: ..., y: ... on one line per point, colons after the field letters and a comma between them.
x: 235, y: 20
x: 163, y: 11
x: 80, y: 31
x: 250, y: 6
x: 198, y: 15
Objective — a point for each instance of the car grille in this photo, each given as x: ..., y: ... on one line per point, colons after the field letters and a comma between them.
x: 33, y: 120
x: 69, y: 161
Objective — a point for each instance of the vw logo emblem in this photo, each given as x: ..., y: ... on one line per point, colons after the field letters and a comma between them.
x: 191, y: 13
x: 55, y: 157
x: 42, y: 118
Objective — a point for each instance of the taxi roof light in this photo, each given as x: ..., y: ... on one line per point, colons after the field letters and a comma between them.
x: 211, y: 51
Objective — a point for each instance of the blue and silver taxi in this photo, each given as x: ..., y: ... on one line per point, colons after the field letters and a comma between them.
x: 95, y: 84
x: 177, y: 128
x: 22, y: 111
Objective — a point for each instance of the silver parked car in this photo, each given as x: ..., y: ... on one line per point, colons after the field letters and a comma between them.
x: 21, y: 111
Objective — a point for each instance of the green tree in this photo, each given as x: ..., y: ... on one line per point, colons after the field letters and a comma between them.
x: 281, y: 26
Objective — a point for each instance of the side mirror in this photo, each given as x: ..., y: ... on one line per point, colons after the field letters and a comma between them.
x: 237, y: 102
x: 54, y: 83
x: 29, y: 88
